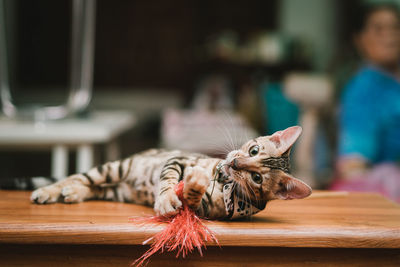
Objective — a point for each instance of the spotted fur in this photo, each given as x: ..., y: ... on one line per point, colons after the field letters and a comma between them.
x: 214, y: 188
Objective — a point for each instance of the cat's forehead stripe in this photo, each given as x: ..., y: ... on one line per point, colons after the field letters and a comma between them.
x: 281, y: 163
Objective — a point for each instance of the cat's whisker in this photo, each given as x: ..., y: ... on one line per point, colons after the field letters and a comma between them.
x: 256, y: 200
x: 223, y: 130
x: 227, y: 138
x: 235, y: 186
x: 234, y: 138
x: 251, y: 206
x: 248, y: 197
x: 242, y: 132
x: 233, y: 133
x: 230, y: 138
x: 225, y: 145
x: 221, y: 150
x: 252, y: 191
x: 228, y: 147
x: 247, y: 135
x: 218, y: 147
x: 243, y: 188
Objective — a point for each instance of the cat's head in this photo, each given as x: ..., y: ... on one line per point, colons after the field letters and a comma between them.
x: 261, y: 167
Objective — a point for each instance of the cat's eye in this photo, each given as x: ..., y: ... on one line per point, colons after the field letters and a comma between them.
x: 256, y: 177
x: 253, y: 151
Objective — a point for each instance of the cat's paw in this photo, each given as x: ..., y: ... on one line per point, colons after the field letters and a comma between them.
x: 45, y: 195
x: 196, y: 183
x: 196, y: 178
x: 74, y: 193
x: 167, y: 204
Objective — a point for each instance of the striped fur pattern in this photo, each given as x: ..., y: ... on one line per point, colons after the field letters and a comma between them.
x: 215, y: 188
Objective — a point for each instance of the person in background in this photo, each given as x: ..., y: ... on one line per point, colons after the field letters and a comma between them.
x: 369, y: 124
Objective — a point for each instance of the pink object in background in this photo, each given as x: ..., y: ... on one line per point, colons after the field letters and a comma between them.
x: 383, y: 179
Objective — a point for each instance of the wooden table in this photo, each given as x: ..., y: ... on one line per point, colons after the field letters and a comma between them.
x: 99, y: 127
x: 341, y: 230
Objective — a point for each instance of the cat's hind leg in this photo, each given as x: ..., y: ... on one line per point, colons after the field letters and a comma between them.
x: 196, y: 182
x: 69, y: 190
x: 82, y: 186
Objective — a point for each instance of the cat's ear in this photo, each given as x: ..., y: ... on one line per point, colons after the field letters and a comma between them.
x: 292, y: 188
x: 285, y: 139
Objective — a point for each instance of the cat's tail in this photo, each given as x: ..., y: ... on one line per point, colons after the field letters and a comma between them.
x: 28, y: 183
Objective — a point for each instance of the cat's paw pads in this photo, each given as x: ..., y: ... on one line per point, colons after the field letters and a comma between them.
x: 44, y: 195
x: 167, y: 204
x: 74, y: 193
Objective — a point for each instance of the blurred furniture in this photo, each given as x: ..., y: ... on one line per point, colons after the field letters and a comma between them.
x: 327, y: 229
x: 99, y: 127
x: 279, y: 111
x: 312, y: 93
x: 81, y: 73
x: 210, y: 132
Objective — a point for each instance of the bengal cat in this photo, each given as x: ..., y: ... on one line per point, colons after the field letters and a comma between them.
x: 238, y: 186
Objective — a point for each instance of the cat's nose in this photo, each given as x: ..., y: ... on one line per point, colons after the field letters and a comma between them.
x: 234, y: 164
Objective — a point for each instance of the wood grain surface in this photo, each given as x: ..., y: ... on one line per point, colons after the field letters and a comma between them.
x: 324, y: 221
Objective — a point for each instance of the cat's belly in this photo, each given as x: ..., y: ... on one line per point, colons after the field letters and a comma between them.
x: 144, y: 180
x: 213, y: 206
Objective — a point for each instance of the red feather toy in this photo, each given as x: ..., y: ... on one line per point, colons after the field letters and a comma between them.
x: 184, y: 232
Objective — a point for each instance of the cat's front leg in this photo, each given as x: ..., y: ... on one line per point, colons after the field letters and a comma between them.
x: 167, y: 202
x: 196, y: 182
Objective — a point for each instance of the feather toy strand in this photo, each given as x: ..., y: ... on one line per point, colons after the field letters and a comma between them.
x: 184, y: 232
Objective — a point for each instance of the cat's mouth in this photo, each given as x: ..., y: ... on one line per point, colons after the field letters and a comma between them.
x: 225, y: 171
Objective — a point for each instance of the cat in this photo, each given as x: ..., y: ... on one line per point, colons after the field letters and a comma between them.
x: 238, y: 186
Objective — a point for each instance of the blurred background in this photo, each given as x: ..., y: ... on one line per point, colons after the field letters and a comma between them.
x: 195, y: 75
